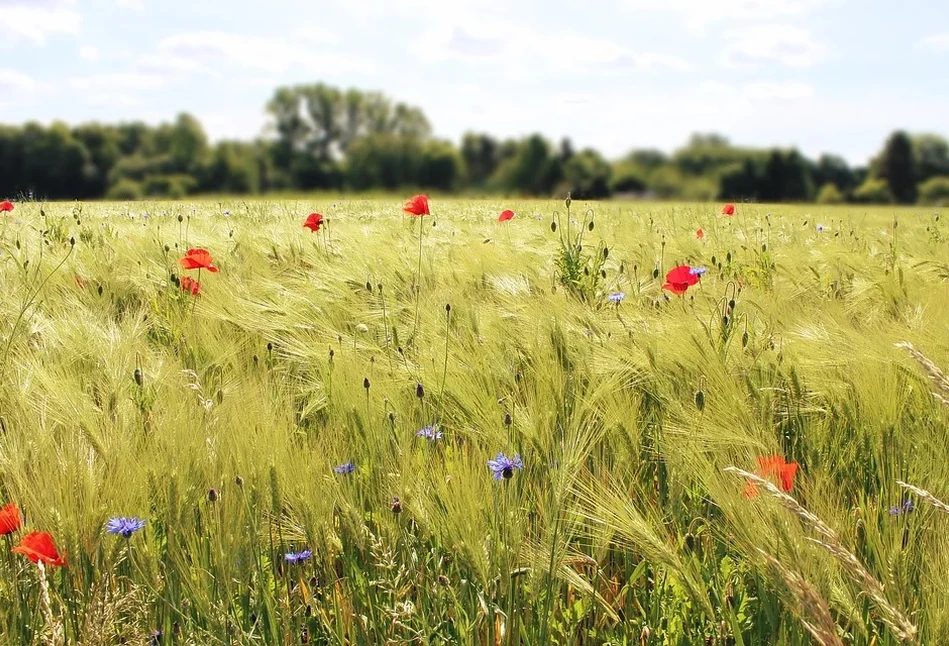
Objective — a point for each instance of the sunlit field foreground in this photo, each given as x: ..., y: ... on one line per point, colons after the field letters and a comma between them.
x: 312, y: 438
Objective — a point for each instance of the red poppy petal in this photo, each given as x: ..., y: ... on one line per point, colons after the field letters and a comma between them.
x: 506, y: 215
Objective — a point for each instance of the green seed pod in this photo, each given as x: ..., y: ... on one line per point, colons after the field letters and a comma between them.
x: 590, y: 226
x: 137, y: 375
x: 700, y: 400
x: 606, y: 253
x: 553, y: 227
x: 728, y: 257
x: 725, y: 321
x: 744, y: 339
x: 731, y: 304
x: 764, y: 247
x: 714, y: 261
x: 655, y: 273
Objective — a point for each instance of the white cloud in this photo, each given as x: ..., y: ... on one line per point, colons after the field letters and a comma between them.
x: 36, y: 21
x: 15, y: 83
x: 89, y: 53
x: 255, y: 52
x: 517, y: 50
x: 936, y: 42
x: 137, y: 5
x: 759, y: 91
x: 700, y: 14
x: 116, y: 83
x: 781, y: 44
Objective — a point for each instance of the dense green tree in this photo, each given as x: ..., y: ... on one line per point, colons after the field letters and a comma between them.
x: 531, y: 170
x: 833, y: 169
x: 440, y: 166
x: 586, y: 175
x: 830, y: 194
x: 233, y: 167
x: 930, y: 156
x: 481, y: 154
x: 934, y: 190
x: 896, y: 165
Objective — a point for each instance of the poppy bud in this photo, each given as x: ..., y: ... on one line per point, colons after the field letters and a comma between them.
x: 212, y: 495
x: 700, y: 400
x: 219, y: 396
x: 180, y: 219
x: 764, y: 247
x: 167, y: 248
x: 606, y: 253
x: 396, y: 505
x: 714, y: 262
x: 728, y: 257
x: 553, y: 227
x: 256, y: 359
x: 332, y: 352
x: 590, y: 226
x: 586, y: 271
x: 447, y: 307
x: 507, y: 419
x: 567, y: 202
x: 369, y: 286
x: 269, y: 346
x: 724, y: 321
x: 138, y: 377
x: 239, y: 481
x: 603, y: 273
x: 72, y: 241
x: 419, y: 390
x: 731, y: 304
x: 744, y: 339
x: 622, y: 268
x: 655, y: 273
x: 391, y: 417
x: 379, y: 287
x: 365, y: 383
x: 895, y: 224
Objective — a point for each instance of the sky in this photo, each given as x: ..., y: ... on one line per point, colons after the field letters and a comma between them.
x: 823, y: 75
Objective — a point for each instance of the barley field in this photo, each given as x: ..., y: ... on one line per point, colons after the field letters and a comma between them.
x: 446, y: 429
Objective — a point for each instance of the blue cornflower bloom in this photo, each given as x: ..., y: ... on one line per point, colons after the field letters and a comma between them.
x: 503, y: 466
x: 617, y: 297
x: 697, y: 271
x: 430, y: 433
x: 298, y: 557
x: 343, y: 469
x: 820, y: 228
x: 906, y: 508
x: 124, y: 526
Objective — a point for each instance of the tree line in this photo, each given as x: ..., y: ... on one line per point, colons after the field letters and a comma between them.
x: 321, y: 137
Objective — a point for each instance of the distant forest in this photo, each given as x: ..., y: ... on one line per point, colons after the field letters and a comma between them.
x: 323, y: 138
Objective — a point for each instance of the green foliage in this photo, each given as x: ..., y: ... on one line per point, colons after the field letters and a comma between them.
x: 578, y: 267
x: 897, y: 165
x: 830, y: 194
x: 586, y: 175
x: 934, y: 190
x: 126, y: 189
x: 873, y: 191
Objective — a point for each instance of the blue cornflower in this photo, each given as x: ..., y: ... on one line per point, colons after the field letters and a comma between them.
x: 697, y: 271
x: 617, y: 297
x: 503, y: 466
x: 298, y: 557
x: 343, y: 469
x: 124, y: 526
x: 430, y: 433
x: 906, y: 508
x: 820, y: 228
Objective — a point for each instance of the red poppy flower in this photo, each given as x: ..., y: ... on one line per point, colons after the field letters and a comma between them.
x: 10, y: 519
x: 39, y: 546
x: 188, y: 284
x: 417, y: 206
x: 198, y: 259
x: 699, y: 234
x: 774, y: 466
x: 679, y: 279
x: 506, y: 215
x: 6, y: 206
x: 728, y: 209
x: 313, y: 222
